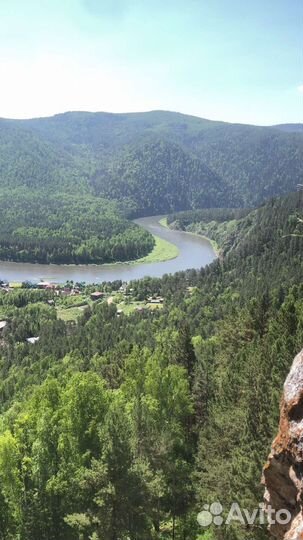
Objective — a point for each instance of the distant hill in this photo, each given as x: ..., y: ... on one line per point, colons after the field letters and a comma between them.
x: 291, y: 128
x: 157, y: 161
x: 160, y: 177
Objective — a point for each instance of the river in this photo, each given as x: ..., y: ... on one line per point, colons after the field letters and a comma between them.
x: 194, y: 252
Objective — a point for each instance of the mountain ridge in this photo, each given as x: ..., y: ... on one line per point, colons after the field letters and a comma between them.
x: 84, y: 152
x: 284, y: 125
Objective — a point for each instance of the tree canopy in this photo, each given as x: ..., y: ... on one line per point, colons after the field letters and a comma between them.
x: 123, y: 427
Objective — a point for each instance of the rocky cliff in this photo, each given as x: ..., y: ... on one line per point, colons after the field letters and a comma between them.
x: 283, y: 473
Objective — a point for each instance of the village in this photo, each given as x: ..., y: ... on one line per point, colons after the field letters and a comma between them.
x: 71, y: 299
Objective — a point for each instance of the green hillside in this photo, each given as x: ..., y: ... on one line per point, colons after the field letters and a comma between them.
x: 26, y: 160
x: 120, y: 425
x: 151, y: 163
x: 159, y: 177
x: 146, y: 155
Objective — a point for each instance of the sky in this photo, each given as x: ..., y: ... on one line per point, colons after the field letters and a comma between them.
x: 230, y: 60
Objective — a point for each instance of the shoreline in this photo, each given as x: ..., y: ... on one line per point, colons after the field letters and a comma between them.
x: 163, y: 251
x: 214, y: 244
x: 152, y: 257
x: 157, y: 254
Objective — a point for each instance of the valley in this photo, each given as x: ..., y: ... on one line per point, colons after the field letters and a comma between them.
x: 150, y: 398
x: 151, y: 270
x: 71, y: 184
x: 177, y: 252
x: 151, y: 305
x: 151, y: 163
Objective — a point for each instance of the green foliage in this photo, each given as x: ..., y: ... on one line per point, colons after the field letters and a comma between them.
x: 124, y: 427
x: 67, y: 182
x: 159, y: 177
x: 152, y: 162
x: 67, y: 229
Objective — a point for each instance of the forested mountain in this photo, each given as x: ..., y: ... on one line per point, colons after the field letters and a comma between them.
x: 159, y: 177
x: 26, y: 160
x: 123, y: 427
x: 143, y: 163
x: 148, y: 156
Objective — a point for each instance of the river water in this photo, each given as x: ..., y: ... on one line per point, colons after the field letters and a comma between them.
x: 194, y: 252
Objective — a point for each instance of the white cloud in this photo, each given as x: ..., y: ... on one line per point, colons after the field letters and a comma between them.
x: 300, y: 88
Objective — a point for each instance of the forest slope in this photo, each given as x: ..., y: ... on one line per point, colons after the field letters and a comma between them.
x: 126, y: 426
x: 143, y: 156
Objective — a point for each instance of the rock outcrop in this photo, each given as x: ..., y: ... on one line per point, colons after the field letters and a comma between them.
x: 283, y: 473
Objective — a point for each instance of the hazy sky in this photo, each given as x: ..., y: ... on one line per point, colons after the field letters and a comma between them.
x: 233, y: 60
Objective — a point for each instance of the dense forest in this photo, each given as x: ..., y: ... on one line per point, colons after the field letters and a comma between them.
x: 151, y: 158
x: 66, y: 167
x: 67, y: 229
x: 122, y: 426
x: 159, y: 177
